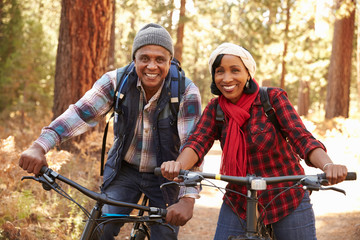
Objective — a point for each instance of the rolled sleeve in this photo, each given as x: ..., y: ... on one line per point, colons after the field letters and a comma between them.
x: 82, y: 115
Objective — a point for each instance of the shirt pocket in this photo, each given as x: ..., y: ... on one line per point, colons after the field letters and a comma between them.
x: 262, y: 135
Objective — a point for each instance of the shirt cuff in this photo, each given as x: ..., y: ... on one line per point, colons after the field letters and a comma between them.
x: 48, y: 139
x: 191, y: 192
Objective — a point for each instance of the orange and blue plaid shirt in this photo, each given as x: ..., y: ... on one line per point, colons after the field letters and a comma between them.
x: 98, y: 101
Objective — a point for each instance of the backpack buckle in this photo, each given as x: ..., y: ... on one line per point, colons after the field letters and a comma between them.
x: 267, y: 113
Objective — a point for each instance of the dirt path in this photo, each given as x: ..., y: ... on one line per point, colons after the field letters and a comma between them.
x: 330, y: 226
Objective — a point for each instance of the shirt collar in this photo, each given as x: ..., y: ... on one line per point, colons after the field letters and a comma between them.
x: 157, y: 94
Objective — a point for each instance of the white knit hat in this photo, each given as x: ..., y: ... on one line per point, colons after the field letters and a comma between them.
x: 236, y: 50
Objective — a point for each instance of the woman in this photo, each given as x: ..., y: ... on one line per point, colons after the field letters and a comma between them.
x: 252, y: 145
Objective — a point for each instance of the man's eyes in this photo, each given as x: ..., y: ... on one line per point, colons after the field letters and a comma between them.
x: 146, y: 59
x: 160, y: 60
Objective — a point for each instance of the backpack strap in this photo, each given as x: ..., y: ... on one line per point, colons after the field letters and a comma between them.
x: 220, y: 119
x: 269, y: 110
x: 177, y: 86
x: 122, y: 75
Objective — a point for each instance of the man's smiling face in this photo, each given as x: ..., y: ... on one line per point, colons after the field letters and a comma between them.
x: 152, y: 65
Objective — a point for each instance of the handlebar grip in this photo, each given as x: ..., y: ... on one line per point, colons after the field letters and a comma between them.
x: 43, y: 169
x: 163, y: 212
x: 183, y: 172
x: 157, y: 171
x: 351, y: 176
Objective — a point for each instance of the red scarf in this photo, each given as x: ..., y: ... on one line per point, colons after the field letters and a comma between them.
x: 234, y: 157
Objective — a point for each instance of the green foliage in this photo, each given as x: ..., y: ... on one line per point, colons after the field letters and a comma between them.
x: 28, y: 54
x: 10, y: 40
x: 25, y: 204
x: 27, y: 63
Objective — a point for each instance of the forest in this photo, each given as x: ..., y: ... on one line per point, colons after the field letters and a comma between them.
x: 51, y: 53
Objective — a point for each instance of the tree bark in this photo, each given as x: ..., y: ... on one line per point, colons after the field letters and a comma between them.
x: 83, y: 49
x: 338, y: 89
x: 303, y: 98
x: 180, y: 33
x: 286, y: 39
x: 111, y: 60
x: 358, y: 58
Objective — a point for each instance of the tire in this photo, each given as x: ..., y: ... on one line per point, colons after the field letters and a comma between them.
x: 140, y: 234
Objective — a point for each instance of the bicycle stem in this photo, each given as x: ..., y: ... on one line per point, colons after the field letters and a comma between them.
x: 251, y: 212
x: 91, y: 224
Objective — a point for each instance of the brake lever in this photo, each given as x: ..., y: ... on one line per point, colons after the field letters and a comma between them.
x: 169, y: 183
x: 334, y: 189
x: 316, y: 186
x: 168, y: 225
x: 44, y: 182
x: 30, y: 177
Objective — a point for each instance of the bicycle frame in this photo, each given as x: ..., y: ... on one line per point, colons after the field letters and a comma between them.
x: 96, y: 218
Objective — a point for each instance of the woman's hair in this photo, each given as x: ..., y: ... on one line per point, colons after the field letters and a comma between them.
x: 214, y: 90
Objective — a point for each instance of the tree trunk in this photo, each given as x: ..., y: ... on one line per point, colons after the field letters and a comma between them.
x: 111, y: 60
x: 286, y: 39
x: 358, y: 58
x: 180, y: 33
x: 83, y: 49
x: 303, y: 98
x: 338, y: 89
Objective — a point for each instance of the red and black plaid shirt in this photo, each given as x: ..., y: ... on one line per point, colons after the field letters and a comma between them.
x: 269, y: 154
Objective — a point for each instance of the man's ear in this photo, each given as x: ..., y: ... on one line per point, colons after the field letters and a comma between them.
x: 170, y: 60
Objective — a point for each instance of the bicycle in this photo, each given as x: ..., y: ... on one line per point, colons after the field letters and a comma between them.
x: 96, y: 219
x: 255, y: 229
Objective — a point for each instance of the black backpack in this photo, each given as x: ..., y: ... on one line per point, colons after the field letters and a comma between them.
x: 178, y: 85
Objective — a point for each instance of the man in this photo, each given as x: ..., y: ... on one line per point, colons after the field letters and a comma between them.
x: 145, y: 133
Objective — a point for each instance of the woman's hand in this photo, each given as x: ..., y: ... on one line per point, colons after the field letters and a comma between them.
x: 170, y: 170
x: 335, y: 173
x: 186, y: 160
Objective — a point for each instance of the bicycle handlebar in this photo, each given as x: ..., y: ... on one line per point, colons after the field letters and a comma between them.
x: 248, y: 179
x: 50, y: 175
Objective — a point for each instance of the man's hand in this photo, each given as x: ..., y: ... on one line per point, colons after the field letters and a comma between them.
x: 179, y: 213
x: 32, y: 159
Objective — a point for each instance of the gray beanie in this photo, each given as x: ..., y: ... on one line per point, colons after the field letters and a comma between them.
x: 153, y: 34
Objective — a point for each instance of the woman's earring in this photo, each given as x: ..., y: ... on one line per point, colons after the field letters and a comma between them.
x: 247, y: 85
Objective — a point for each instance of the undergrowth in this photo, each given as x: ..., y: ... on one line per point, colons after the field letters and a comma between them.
x: 29, y: 212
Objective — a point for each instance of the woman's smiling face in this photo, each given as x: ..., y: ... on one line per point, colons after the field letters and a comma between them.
x: 230, y: 77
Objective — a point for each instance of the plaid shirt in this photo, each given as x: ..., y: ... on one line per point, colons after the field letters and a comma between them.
x: 98, y: 101
x: 269, y: 154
